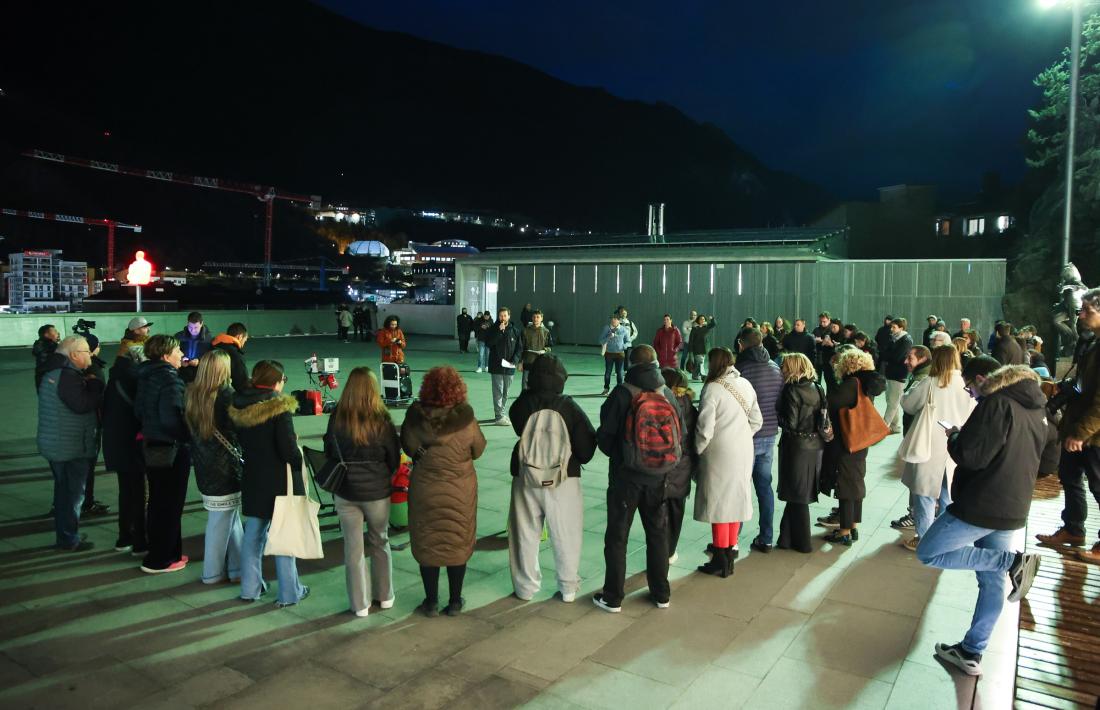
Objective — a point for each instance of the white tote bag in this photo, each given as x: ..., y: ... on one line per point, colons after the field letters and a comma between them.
x: 295, y: 530
x: 916, y: 447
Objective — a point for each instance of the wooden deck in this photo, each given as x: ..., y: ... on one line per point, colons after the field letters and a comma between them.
x: 1058, y: 658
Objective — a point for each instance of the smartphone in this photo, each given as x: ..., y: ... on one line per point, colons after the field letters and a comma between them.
x: 947, y: 426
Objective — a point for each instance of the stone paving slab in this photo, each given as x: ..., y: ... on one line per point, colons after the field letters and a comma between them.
x: 838, y: 628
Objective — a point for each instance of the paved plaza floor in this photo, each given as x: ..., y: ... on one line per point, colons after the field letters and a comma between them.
x: 838, y: 628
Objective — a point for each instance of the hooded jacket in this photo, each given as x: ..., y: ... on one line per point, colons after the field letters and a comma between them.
x: 545, y: 384
x: 764, y: 376
x: 611, y: 434
x: 238, y: 371
x: 158, y: 402
x: 1000, y: 450
x: 370, y: 466
x: 443, y: 441
x: 42, y: 350
x: 265, y: 430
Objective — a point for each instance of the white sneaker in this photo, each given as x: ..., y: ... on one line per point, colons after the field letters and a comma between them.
x: 362, y: 612
x: 387, y: 603
x: 569, y: 597
x: 662, y: 605
x: 479, y: 369
x: 503, y: 421
x: 675, y: 556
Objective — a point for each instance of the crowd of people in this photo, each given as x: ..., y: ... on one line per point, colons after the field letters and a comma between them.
x: 975, y: 436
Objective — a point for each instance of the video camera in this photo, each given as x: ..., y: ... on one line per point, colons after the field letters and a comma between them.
x: 324, y: 369
x: 83, y: 327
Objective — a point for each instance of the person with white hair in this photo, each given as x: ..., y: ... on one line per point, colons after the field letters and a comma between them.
x: 68, y: 402
x: 938, y: 338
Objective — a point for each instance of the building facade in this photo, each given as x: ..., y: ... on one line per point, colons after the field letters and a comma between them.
x: 40, y: 280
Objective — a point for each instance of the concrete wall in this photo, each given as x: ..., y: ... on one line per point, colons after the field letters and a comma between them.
x: 22, y: 330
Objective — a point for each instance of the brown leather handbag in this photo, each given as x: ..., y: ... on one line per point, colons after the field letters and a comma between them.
x: 862, y: 425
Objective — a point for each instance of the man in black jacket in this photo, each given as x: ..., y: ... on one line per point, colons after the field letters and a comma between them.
x: 561, y: 506
x: 1005, y: 348
x: 882, y: 339
x: 799, y: 341
x: 232, y: 341
x: 505, y: 349
x: 629, y: 491
x: 464, y: 324
x: 998, y: 453
x: 46, y: 345
x: 756, y: 366
x: 893, y: 357
x: 933, y: 320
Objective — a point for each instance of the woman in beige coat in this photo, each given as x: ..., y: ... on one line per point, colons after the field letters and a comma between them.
x: 728, y: 417
x: 942, y: 396
x: 443, y: 438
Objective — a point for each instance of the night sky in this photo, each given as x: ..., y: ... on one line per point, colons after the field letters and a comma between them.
x: 851, y: 94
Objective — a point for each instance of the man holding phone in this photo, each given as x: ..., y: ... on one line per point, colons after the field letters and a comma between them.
x: 999, y: 451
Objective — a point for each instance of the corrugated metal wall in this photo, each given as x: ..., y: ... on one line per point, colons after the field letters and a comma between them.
x: 579, y: 297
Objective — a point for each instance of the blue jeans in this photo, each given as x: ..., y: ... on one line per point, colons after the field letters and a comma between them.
x: 685, y: 357
x: 224, y: 535
x: 252, y: 557
x: 763, y: 449
x: 68, y: 495
x: 610, y: 364
x: 953, y: 544
x: 924, y: 508
x: 482, y: 355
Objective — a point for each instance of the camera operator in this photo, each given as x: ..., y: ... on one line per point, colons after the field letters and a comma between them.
x: 1080, y: 432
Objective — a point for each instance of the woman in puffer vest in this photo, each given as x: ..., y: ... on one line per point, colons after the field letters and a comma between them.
x: 215, y: 454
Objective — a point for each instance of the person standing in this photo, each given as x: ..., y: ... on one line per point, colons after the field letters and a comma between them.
x: 263, y: 419
x: 122, y: 451
x: 699, y: 344
x: 799, y: 341
x: 441, y: 434
x: 232, y: 342
x: 997, y: 453
x: 359, y: 322
x: 159, y: 406
x: 856, y: 377
x: 505, y: 350
x: 1080, y: 433
x: 631, y: 329
x: 44, y: 347
x: 361, y: 433
x: 525, y: 315
x: 195, y: 341
x: 685, y: 336
x: 391, y: 340
x: 943, y: 396
x: 96, y: 369
x: 1006, y: 350
x: 780, y: 328
x: 883, y: 339
x: 918, y: 362
x: 895, y: 371
x: 613, y: 341
x: 464, y: 325
x: 68, y: 403
x: 769, y: 341
x: 667, y: 342
x: 800, y: 448
x: 636, y: 477
x: 344, y: 322
x: 755, y: 365
x: 481, y: 331
x: 546, y: 485
x: 729, y: 416
x: 678, y: 480
x: 217, y: 459
x: 137, y: 332
x: 536, y: 341
x: 931, y: 328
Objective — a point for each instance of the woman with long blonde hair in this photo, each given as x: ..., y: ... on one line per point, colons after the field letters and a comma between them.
x: 362, y: 435
x: 800, y: 447
x: 941, y: 395
x: 216, y: 456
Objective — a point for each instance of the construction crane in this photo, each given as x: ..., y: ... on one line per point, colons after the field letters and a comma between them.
x: 110, y: 224
x: 265, y: 194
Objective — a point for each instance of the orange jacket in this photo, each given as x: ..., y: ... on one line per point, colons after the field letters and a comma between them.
x: 392, y: 343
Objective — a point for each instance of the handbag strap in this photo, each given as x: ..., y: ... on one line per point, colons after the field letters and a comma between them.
x: 736, y: 395
x: 122, y: 393
x: 225, y: 442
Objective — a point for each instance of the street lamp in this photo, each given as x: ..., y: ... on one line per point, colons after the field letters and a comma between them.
x: 1071, y: 129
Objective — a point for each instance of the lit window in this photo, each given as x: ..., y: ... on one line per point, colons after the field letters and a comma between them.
x: 639, y: 278
x: 712, y: 279
x: 1003, y: 222
x: 616, y: 278
x: 975, y: 226
x: 664, y: 277
x: 943, y: 227
x: 595, y: 279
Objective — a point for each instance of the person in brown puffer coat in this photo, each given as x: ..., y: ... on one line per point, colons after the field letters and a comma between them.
x: 442, y: 436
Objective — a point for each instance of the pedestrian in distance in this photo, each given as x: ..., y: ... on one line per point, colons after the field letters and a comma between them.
x: 800, y: 447
x: 443, y: 438
x: 262, y: 416
x: 685, y: 335
x: 667, y: 342
x: 555, y: 440
x: 216, y: 455
x: 482, y: 324
x: 344, y: 321
x: 729, y: 416
x: 464, y: 326
x: 613, y: 343
x: 505, y: 343
x: 391, y: 340
x: 536, y: 341
x: 699, y: 344
x: 68, y: 402
x: 893, y: 357
x: 362, y: 435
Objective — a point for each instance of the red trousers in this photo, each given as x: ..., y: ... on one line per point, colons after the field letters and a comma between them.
x: 725, y: 534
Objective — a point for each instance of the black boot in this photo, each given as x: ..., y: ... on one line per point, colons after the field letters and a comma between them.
x: 717, y: 564
x: 730, y: 557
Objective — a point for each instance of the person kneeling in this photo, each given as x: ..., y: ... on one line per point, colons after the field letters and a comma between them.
x: 556, y: 438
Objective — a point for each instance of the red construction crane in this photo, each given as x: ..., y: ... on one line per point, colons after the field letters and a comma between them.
x: 265, y: 194
x: 110, y: 224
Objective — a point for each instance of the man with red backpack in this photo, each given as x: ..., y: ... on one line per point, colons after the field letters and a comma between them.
x: 642, y: 432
